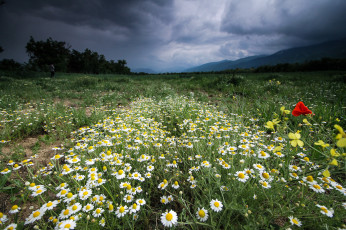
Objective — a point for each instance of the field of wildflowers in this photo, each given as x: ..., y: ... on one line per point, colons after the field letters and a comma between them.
x: 187, y: 152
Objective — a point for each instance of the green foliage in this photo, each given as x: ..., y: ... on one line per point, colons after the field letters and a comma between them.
x: 193, y: 118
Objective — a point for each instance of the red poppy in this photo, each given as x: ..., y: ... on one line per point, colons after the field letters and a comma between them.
x: 301, y: 109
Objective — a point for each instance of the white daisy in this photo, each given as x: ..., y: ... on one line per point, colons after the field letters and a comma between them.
x: 295, y: 221
x: 202, y: 214
x: 67, y: 224
x: 121, y: 211
x: 241, y: 176
x: 216, y: 205
x: 325, y: 211
x: 35, y: 215
x: 169, y: 219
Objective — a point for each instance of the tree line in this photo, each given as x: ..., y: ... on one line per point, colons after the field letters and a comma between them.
x: 44, y: 53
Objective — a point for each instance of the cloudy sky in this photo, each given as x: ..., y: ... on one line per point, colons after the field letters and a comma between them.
x: 167, y: 35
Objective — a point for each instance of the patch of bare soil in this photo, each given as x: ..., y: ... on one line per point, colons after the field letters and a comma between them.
x: 44, y: 153
x: 73, y: 103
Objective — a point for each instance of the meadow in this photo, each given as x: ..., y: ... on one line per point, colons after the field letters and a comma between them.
x: 181, y: 151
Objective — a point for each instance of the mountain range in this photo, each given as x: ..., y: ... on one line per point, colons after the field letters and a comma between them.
x: 330, y: 49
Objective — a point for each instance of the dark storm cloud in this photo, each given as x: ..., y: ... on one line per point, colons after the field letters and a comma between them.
x: 162, y: 34
x: 307, y: 20
x: 118, y: 29
x: 101, y: 14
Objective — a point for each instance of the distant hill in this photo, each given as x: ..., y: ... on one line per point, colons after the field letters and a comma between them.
x: 331, y: 49
x: 143, y: 70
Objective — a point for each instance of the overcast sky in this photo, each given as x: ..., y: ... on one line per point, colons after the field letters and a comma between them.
x: 169, y: 35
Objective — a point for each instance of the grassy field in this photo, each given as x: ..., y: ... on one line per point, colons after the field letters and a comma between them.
x: 188, y: 151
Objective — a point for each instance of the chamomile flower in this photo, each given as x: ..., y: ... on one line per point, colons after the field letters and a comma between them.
x: 3, y: 218
x: 169, y: 218
x: 265, y: 184
x: 62, y: 193
x: 140, y: 202
x: 202, y: 214
x: 325, y: 211
x: 163, y: 200
x: 75, y: 208
x: 316, y: 188
x: 263, y: 155
x: 265, y: 176
x: 88, y: 207
x: 294, y: 168
x: 259, y: 167
x: 50, y: 205
x: 38, y: 192
x: 65, y: 213
x: 162, y: 185
x: 134, y: 208
x: 67, y: 224
x: 121, y: 211
x: 14, y: 209
x: 175, y: 185
x: 35, y: 215
x: 216, y: 205
x: 128, y: 198
x: 85, y: 194
x: 98, y: 212
x: 295, y: 221
x: 11, y: 226
x: 241, y: 176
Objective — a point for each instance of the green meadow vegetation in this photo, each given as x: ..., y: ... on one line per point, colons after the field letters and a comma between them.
x: 186, y: 151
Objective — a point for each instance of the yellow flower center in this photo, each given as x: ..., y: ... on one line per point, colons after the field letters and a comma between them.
x: 67, y: 226
x: 128, y: 198
x: 134, y: 206
x: 85, y: 193
x: 63, y: 192
x: 87, y: 207
x: 310, y: 178
x: 121, y: 209
x: 265, y: 175
x: 316, y: 186
x: 295, y: 221
x: 169, y: 216
x: 201, y: 213
x: 216, y: 204
x: 324, y: 209
x: 66, y: 212
x: 75, y: 207
x: 69, y: 195
x: 120, y: 172
x: 36, y: 214
x: 98, y: 211
x: 14, y: 207
x: 49, y: 204
x: 241, y: 175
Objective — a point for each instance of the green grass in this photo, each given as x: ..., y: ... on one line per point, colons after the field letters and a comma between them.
x: 191, y: 121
